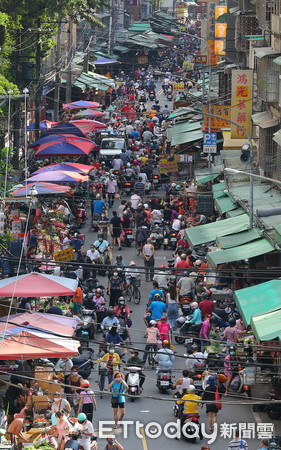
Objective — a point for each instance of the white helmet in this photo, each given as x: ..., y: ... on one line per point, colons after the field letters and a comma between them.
x: 191, y: 389
x: 180, y: 217
x: 194, y: 305
x: 128, y: 165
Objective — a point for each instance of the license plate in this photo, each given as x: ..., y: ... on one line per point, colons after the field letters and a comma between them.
x: 189, y: 340
x: 197, y: 383
x: 155, y: 181
x: 173, y: 239
x: 129, y: 236
x: 164, y: 383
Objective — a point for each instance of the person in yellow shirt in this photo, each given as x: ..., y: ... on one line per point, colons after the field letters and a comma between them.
x: 112, y: 361
x: 192, y: 406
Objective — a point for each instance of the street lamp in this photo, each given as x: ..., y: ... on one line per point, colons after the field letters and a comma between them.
x: 25, y: 91
x: 9, y: 92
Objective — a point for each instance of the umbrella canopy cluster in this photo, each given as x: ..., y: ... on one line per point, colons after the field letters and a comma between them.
x: 67, y: 166
x: 59, y: 176
x: 66, y: 146
x: 41, y: 188
x: 80, y: 104
x: 37, y: 285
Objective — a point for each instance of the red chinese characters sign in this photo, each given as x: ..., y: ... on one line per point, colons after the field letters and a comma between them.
x: 218, y: 110
x: 241, y: 103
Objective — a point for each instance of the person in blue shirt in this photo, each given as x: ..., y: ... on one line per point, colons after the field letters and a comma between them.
x: 101, y: 244
x: 157, y: 308
x: 196, y: 315
x: 154, y: 291
x: 98, y: 205
x: 135, y: 134
x: 113, y: 337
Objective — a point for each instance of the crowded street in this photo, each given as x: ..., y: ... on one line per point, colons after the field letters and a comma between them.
x: 140, y: 225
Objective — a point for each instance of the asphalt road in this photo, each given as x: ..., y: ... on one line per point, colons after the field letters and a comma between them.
x: 147, y: 410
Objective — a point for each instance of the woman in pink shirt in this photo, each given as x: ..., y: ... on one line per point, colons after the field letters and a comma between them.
x: 164, y: 329
x: 231, y: 334
x: 152, y: 335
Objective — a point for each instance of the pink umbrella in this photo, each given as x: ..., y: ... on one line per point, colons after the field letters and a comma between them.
x: 80, y: 104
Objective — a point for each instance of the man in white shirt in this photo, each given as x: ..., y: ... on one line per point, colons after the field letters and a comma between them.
x: 111, y: 190
x: 129, y: 128
x: 93, y: 253
x: 162, y: 278
x: 143, y: 177
x: 86, y: 431
x: 135, y: 201
x: 156, y: 216
x: 117, y: 163
x: 195, y: 359
x: 177, y: 223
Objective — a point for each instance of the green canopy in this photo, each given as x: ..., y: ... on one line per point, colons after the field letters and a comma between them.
x: 234, y: 240
x: 267, y: 326
x: 235, y: 212
x: 207, y: 178
x: 209, y: 232
x: 225, y: 203
x: 184, y: 138
x: 181, y: 112
x: 182, y: 128
x: 246, y: 251
x: 259, y: 299
x: 218, y: 189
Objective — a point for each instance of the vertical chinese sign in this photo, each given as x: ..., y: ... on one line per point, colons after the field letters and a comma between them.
x: 220, y: 30
x: 241, y: 102
x: 212, y: 58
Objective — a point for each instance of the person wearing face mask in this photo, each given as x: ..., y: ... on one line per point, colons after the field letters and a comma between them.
x: 118, y: 387
x: 60, y: 404
x: 112, y: 360
x: 75, y: 381
x: 85, y: 429
x: 231, y: 366
x: 115, y: 288
x: 112, y: 444
x: 87, y: 403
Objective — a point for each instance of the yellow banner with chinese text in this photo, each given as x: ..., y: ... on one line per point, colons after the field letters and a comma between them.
x: 67, y: 254
x: 223, y: 111
x: 166, y: 166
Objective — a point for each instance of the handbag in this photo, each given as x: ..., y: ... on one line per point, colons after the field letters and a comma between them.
x: 114, y: 400
x: 217, y: 399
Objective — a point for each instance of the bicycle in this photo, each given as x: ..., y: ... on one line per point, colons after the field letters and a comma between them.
x: 133, y: 292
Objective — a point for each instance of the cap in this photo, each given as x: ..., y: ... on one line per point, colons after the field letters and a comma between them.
x: 198, y: 262
x: 153, y: 322
x: 132, y: 263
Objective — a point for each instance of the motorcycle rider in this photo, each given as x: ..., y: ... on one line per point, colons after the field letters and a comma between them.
x: 109, y: 320
x: 135, y: 361
x: 85, y: 429
x: 101, y: 243
x: 183, y: 383
x: 162, y: 278
x: 195, y: 359
x: 103, y: 225
x: 165, y: 357
x: 122, y: 310
x: 190, y: 407
x: 113, y: 337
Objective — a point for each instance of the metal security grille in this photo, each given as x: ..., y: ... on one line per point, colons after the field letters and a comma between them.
x: 264, y: 11
x: 278, y: 162
x: 245, y: 24
x: 268, y: 150
x: 268, y: 79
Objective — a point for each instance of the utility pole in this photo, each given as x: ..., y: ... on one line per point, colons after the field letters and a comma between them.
x: 57, y: 77
x: 38, y: 87
x: 111, y: 34
x: 69, y: 59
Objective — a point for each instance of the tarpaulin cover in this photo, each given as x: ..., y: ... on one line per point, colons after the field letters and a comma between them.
x: 66, y: 166
x: 233, y: 240
x: 66, y: 147
x: 267, y: 326
x: 16, y: 344
x: 209, y: 232
x: 37, y: 285
x: 57, y: 176
x: 42, y: 188
x: 80, y: 104
x: 259, y: 299
x: 239, y: 253
x: 70, y: 322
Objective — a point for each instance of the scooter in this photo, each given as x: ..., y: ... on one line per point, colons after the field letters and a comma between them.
x: 164, y: 380
x: 127, y: 187
x: 95, y: 221
x: 185, y: 334
x: 128, y: 237
x: 156, y: 181
x: 191, y: 429
x: 151, y: 95
x: 133, y: 382
x: 169, y: 95
x: 172, y: 239
x: 80, y: 216
x: 274, y: 409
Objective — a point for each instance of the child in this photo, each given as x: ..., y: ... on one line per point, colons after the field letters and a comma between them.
x: 164, y: 329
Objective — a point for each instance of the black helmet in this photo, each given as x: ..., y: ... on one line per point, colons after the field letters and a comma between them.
x: 232, y: 322
x: 119, y: 258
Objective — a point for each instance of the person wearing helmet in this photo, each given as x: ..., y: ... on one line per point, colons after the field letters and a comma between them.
x: 87, y: 403
x: 196, y: 315
x: 85, y: 429
x: 103, y: 225
x: 109, y: 320
x: 121, y: 309
x: 97, y: 205
x: 155, y: 290
x: 195, y: 359
x: 165, y: 357
x: 131, y: 273
x: 152, y: 335
x: 190, y: 407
